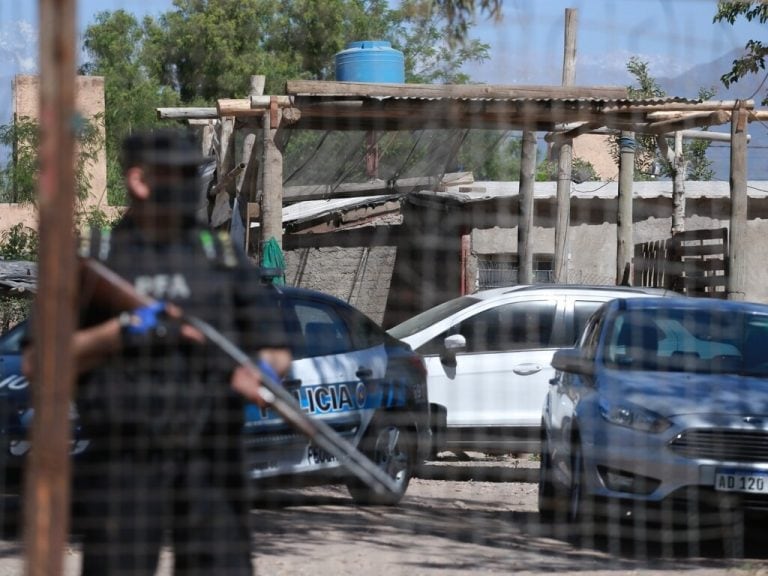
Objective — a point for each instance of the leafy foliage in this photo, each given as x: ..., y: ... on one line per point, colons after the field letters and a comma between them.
x: 460, y: 13
x: 202, y: 50
x: 581, y: 171
x: 19, y: 242
x: 753, y: 60
x: 649, y: 163
x: 115, y: 44
x: 18, y: 178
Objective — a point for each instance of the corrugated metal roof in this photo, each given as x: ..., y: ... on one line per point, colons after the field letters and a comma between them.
x: 486, y: 191
x: 314, y: 208
x: 610, y: 102
x: 480, y: 191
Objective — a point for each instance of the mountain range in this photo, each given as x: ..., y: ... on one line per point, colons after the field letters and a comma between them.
x: 708, y: 75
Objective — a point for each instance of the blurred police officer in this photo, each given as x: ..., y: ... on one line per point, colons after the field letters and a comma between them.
x: 164, y: 410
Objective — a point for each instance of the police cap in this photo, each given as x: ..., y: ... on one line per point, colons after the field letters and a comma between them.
x: 164, y: 147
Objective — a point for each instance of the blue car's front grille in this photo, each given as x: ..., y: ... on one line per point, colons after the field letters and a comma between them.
x: 722, y: 445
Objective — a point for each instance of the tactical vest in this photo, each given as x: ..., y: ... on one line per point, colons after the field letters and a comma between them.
x: 165, y: 398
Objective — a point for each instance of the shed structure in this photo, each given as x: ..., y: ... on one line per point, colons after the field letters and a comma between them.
x: 563, y: 112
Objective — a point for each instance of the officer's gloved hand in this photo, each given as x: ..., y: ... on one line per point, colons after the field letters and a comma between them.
x: 267, y: 370
x: 149, y: 326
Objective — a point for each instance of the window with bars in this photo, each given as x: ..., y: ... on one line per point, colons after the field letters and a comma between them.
x: 499, y: 270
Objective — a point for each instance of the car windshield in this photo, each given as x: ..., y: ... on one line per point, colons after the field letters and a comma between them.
x: 431, y: 316
x: 690, y: 340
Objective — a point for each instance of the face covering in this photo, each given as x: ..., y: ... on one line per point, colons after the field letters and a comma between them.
x: 181, y: 197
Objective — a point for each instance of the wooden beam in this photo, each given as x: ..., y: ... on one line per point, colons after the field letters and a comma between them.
x: 366, y: 90
x: 253, y: 106
x: 193, y: 113
x: 47, y: 491
x: 711, y: 105
x: 570, y: 134
x: 565, y: 156
x: 624, y: 243
x: 689, y: 121
x: 525, y: 208
x: 272, y: 183
x: 415, y: 114
x: 738, y: 247
x: 679, y: 166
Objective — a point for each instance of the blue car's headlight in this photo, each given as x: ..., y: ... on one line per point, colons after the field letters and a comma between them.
x: 632, y: 416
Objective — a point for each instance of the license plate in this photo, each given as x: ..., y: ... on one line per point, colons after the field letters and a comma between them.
x: 741, y: 481
x: 316, y: 455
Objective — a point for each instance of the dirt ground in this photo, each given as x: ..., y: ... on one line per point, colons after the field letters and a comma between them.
x: 474, y: 515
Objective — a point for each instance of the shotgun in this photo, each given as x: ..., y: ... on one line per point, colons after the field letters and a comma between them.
x: 97, y: 279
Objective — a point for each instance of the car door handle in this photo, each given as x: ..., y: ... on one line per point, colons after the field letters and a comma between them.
x: 363, y: 373
x: 526, y: 369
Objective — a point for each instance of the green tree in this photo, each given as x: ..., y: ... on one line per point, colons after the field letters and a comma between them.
x: 581, y: 171
x: 755, y: 51
x: 18, y: 177
x: 460, y: 13
x: 115, y: 45
x: 490, y: 155
x: 202, y: 50
x: 648, y: 161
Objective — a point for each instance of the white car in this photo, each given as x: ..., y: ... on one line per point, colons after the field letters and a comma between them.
x: 488, y: 359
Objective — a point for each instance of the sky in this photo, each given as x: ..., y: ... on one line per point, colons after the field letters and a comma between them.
x: 673, y: 36
x: 526, y: 44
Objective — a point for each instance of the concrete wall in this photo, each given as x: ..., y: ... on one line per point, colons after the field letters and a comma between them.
x: 358, y: 275
x: 90, y: 104
x: 592, y: 237
x: 421, y: 264
x: 595, y: 149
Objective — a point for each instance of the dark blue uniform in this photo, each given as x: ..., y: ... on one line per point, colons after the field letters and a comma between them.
x: 165, y: 425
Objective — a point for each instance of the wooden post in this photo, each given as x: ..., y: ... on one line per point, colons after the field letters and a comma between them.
x: 525, y: 209
x: 272, y: 187
x: 47, y: 481
x: 679, y: 166
x: 221, y: 212
x: 565, y: 156
x: 738, y: 226
x: 247, y: 186
x: 624, y: 247
x: 208, y: 133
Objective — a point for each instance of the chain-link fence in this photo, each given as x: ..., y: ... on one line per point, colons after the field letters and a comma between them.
x: 359, y: 397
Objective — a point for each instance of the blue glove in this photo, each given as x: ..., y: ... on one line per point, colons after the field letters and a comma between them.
x: 143, y: 320
x: 267, y: 370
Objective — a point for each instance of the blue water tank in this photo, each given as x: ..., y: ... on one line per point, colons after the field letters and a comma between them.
x: 370, y: 61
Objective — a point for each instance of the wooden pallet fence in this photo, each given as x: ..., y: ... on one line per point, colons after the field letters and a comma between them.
x: 692, y: 262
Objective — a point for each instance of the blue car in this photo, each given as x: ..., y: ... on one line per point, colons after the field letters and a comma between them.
x: 659, y: 414
x: 367, y: 385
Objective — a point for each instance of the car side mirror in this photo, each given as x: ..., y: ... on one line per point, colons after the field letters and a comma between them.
x: 452, y: 344
x: 573, y: 360
x: 455, y: 342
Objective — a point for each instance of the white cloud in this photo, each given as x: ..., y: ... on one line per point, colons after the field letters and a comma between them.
x: 18, y: 47
x: 613, y: 66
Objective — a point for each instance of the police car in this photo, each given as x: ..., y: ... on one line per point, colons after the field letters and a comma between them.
x: 365, y: 384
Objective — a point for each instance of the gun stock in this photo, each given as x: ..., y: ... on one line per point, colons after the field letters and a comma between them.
x: 100, y: 284
x: 105, y: 286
